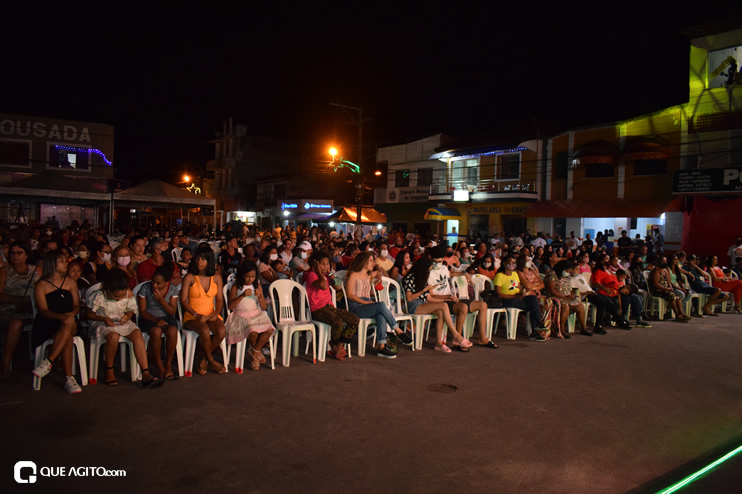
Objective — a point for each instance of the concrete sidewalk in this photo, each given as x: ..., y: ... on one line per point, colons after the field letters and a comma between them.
x: 591, y: 414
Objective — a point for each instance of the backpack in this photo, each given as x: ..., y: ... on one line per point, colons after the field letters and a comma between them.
x: 491, y: 298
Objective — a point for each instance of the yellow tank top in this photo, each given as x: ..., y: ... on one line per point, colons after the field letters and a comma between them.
x: 201, y: 301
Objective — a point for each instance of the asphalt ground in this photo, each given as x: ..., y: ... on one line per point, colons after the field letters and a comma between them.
x: 628, y: 411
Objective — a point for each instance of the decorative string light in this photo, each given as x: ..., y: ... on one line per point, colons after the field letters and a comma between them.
x: 84, y: 150
x: 499, y: 151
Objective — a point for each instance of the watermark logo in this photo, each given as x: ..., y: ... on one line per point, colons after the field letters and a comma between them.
x: 17, y: 472
x: 23, y: 476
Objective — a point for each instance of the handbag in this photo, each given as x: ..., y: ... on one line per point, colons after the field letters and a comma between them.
x: 491, y: 298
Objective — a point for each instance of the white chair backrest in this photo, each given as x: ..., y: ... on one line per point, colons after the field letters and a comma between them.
x: 587, y: 277
x: 139, y: 287
x: 460, y: 286
x: 175, y: 253
x: 481, y: 283
x: 733, y: 275
x: 225, y: 291
x: 90, y: 291
x: 283, y: 304
x: 341, y: 274
x: 33, y: 304
x: 385, y: 295
x: 299, y: 277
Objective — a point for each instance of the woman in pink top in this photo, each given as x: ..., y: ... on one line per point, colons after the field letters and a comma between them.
x: 343, y: 324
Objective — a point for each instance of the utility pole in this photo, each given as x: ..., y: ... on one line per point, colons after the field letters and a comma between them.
x: 359, y: 187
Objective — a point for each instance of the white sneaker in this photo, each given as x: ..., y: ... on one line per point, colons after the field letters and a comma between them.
x: 43, y: 369
x: 71, y: 385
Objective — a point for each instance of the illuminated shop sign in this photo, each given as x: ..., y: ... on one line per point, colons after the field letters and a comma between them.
x: 306, y: 206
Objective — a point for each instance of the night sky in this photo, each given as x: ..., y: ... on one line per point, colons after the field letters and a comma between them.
x: 166, y: 80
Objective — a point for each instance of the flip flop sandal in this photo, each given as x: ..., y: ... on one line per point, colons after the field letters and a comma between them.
x: 465, y: 343
x: 460, y: 348
x: 203, y: 366
x: 443, y: 348
x: 219, y: 368
x: 489, y: 344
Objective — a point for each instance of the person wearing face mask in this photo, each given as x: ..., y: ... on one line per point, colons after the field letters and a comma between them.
x: 486, y: 266
x: 146, y: 269
x: 121, y: 259
x: 299, y: 263
x: 464, y: 256
x: 99, y: 264
x: 83, y: 253
x: 266, y: 274
x: 385, y: 261
x: 508, y: 286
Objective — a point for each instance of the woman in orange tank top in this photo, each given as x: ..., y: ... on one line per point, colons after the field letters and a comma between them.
x: 202, y: 300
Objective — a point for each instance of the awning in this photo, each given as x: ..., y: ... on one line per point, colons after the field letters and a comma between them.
x: 596, y: 152
x: 601, y: 208
x: 442, y: 214
x: 645, y: 148
x: 349, y: 215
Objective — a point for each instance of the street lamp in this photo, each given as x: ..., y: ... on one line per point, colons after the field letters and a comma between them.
x: 339, y: 162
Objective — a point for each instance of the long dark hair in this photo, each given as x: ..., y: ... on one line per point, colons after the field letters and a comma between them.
x: 205, y: 253
x: 399, y: 261
x: 420, y: 272
x: 244, y: 268
x: 49, y: 263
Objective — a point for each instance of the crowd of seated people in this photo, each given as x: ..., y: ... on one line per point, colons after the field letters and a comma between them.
x: 548, y: 278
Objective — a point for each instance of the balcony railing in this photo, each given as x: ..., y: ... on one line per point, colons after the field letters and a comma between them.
x: 509, y: 186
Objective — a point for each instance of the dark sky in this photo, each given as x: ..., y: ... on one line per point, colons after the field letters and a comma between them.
x: 166, y: 80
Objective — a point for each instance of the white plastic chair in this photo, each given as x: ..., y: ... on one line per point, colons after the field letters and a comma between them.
x: 178, y: 343
x: 240, y: 348
x: 493, y: 314
x: 461, y: 286
x: 395, y: 304
x: 421, y: 324
x: 96, y: 345
x: 657, y: 304
x: 323, y: 334
x: 79, y: 353
x: 286, y: 321
x: 189, y: 352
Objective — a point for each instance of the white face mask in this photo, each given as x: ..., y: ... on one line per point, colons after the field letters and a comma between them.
x: 528, y: 264
x: 83, y: 254
x: 273, y: 257
x: 384, y: 253
x: 106, y: 257
x: 124, y: 261
x: 487, y: 265
x: 303, y: 255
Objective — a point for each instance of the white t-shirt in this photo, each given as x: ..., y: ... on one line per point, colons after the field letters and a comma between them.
x: 538, y: 242
x: 572, y: 243
x: 435, y: 278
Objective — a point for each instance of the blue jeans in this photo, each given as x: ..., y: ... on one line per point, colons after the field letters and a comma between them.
x: 379, y: 313
x: 637, y: 305
x: 528, y: 303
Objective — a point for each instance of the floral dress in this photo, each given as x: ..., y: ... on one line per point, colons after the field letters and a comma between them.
x: 550, y: 307
x: 246, y: 318
x: 113, y: 309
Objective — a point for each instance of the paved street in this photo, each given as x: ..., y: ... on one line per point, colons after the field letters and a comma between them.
x: 602, y: 414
